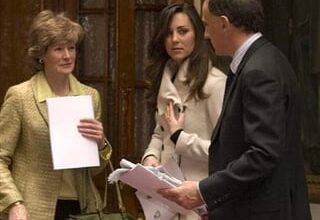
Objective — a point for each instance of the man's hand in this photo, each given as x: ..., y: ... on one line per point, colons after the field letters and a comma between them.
x: 185, y: 195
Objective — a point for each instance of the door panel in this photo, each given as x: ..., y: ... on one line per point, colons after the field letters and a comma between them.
x: 15, y: 19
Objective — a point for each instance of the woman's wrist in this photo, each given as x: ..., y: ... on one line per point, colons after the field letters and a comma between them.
x: 104, y: 145
x: 105, y: 151
x: 151, y: 160
x: 175, y: 135
x: 148, y: 157
x: 17, y: 203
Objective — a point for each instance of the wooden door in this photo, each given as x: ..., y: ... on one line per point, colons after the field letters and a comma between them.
x: 15, y: 19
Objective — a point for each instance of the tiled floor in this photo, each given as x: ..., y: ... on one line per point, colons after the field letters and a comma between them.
x: 315, y: 211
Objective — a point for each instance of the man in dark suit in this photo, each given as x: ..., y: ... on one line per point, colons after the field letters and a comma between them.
x: 255, y: 158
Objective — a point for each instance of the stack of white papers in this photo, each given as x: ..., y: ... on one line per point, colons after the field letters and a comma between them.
x: 147, y: 181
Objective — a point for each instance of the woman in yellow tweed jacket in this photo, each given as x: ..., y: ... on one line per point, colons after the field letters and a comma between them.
x: 29, y: 186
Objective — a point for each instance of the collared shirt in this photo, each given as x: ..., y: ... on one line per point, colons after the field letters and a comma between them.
x: 44, y: 90
x: 238, y: 55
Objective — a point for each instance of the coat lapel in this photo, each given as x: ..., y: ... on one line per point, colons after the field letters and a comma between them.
x: 258, y: 43
x: 39, y: 99
x: 176, y: 91
x: 41, y: 91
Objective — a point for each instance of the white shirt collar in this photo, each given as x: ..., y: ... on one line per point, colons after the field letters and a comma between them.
x: 242, y: 51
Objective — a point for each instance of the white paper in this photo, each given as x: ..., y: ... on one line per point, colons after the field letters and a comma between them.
x: 154, y: 209
x: 148, y: 183
x: 170, y: 171
x: 147, y: 180
x: 171, y: 167
x: 69, y: 148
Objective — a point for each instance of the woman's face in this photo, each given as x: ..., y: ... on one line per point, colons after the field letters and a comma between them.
x: 180, y: 40
x: 60, y: 58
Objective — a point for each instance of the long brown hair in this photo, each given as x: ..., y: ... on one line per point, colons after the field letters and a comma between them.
x: 198, y: 60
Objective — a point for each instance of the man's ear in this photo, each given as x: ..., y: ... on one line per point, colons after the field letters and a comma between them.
x: 225, y: 23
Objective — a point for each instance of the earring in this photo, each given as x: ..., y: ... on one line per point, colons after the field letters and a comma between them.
x: 40, y: 61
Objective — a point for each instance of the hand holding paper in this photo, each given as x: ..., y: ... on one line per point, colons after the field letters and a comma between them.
x: 92, y: 129
x: 148, y: 181
x: 186, y: 195
x: 69, y: 148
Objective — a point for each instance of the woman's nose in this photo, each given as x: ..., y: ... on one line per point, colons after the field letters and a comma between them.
x: 175, y: 37
x: 67, y: 53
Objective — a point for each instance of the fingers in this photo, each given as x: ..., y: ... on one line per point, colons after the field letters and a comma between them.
x: 169, y: 113
x: 181, y: 117
x: 172, y: 195
x: 93, y: 123
x: 174, y: 119
x: 151, y: 161
x: 168, y: 193
x: 185, y: 195
x: 91, y: 128
x: 90, y: 125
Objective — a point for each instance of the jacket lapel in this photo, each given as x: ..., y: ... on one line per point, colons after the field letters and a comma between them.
x: 176, y: 91
x: 40, y: 101
x: 41, y: 91
x: 258, y: 43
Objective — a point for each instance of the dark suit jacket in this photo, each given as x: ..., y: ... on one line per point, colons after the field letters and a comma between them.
x: 255, y: 158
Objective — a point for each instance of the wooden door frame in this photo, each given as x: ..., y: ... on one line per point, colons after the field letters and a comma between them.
x: 125, y: 80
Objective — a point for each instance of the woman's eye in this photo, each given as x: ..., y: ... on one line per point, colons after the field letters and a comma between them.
x: 183, y: 31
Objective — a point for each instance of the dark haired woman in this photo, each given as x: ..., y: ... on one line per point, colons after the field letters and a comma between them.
x: 186, y: 90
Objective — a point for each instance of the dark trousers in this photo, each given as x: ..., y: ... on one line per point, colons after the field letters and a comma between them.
x: 66, y: 207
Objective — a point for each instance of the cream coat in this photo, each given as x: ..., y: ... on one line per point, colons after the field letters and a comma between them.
x: 191, y: 149
x: 26, y: 170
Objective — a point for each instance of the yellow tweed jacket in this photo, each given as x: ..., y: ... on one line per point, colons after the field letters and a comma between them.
x: 26, y: 170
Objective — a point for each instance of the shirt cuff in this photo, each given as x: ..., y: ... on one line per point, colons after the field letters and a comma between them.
x: 174, y: 137
x: 19, y: 202
x: 198, y: 188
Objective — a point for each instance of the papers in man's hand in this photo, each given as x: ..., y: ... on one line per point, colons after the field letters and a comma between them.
x: 154, y: 209
x: 69, y: 148
x: 147, y: 180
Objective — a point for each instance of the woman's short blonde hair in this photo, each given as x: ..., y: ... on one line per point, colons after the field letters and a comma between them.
x: 47, y: 29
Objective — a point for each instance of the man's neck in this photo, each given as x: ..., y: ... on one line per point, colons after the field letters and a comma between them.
x: 239, y: 38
